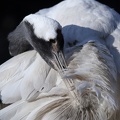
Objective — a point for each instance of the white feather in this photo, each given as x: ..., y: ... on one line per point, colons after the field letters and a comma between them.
x: 92, y: 29
x: 25, y: 74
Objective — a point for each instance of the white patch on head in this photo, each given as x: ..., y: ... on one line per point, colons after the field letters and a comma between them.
x: 44, y: 27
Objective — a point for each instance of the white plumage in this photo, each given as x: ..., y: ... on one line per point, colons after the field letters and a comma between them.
x: 91, y: 33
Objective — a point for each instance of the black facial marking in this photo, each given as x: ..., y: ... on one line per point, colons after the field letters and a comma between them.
x: 47, y: 49
x: 18, y: 40
x: 43, y: 47
x: 60, y: 39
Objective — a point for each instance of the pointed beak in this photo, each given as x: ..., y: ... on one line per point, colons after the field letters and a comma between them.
x: 61, y: 66
x: 60, y: 63
x: 58, y: 56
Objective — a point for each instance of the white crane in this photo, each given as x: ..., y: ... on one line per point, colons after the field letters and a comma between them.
x: 40, y: 86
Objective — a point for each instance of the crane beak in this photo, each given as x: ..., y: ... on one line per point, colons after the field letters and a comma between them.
x: 59, y: 61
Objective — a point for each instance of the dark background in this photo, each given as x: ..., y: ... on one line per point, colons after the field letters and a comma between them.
x: 13, y: 11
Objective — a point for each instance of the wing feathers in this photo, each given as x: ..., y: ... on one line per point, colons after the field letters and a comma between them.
x: 24, y: 71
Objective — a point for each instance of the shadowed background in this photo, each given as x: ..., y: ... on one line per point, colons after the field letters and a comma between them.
x: 13, y: 11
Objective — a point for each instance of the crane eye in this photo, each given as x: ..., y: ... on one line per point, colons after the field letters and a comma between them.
x: 52, y: 41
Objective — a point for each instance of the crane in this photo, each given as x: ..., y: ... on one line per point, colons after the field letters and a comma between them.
x: 65, y: 64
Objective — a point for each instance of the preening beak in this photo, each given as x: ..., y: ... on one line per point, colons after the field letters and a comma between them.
x: 58, y: 56
x: 60, y: 65
x: 59, y: 59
